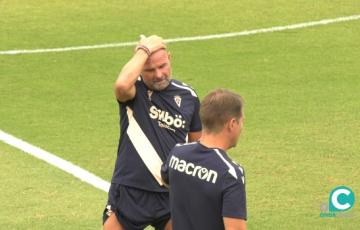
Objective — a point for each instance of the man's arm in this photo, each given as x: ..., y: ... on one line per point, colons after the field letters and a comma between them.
x: 234, y: 224
x: 234, y: 202
x: 165, y: 170
x: 125, y: 84
x: 195, y: 125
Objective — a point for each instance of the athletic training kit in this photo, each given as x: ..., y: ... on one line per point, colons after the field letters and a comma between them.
x: 205, y: 186
x: 151, y: 124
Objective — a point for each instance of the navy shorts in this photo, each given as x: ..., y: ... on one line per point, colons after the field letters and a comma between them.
x: 136, y: 209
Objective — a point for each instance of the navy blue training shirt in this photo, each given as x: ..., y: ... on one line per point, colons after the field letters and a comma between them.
x: 205, y: 186
x: 162, y: 119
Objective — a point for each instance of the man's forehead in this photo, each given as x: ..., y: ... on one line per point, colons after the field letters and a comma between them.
x: 158, y: 57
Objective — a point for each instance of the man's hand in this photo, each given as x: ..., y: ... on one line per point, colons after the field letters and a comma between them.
x: 150, y: 44
x: 125, y: 84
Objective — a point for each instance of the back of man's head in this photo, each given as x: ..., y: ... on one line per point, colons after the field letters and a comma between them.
x: 218, y: 107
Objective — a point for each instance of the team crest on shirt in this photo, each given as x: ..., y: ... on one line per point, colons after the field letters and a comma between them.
x: 177, y: 100
x: 149, y: 93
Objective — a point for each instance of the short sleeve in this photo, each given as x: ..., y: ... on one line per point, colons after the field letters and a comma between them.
x: 234, y: 198
x: 138, y: 87
x: 195, y: 125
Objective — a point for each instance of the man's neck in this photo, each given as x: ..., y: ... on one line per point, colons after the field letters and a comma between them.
x: 211, y: 140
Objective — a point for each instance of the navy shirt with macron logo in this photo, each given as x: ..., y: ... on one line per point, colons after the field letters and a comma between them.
x: 205, y: 186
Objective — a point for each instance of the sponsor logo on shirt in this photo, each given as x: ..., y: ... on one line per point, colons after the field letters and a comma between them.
x: 166, y: 120
x: 191, y: 169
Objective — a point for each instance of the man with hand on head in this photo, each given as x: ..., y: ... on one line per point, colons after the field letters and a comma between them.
x: 156, y: 113
x: 207, y: 189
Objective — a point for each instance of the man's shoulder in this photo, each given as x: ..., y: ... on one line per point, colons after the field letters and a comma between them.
x: 184, y: 147
x: 208, y: 156
x: 183, y: 87
x: 240, y: 172
x: 233, y: 170
x: 139, y: 84
x: 185, y: 151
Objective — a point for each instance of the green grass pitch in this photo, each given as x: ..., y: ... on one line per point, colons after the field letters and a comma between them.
x: 302, y: 90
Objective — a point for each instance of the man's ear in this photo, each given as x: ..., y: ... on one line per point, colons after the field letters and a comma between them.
x: 231, y: 123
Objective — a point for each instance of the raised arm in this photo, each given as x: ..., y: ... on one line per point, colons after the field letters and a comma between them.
x: 125, y: 83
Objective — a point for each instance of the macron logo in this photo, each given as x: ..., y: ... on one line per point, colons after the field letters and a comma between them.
x: 193, y: 170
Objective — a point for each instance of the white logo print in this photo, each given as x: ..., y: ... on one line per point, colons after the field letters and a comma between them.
x: 193, y: 170
x: 166, y: 120
x: 177, y: 100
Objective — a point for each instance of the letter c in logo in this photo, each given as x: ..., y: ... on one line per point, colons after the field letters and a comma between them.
x: 341, y: 199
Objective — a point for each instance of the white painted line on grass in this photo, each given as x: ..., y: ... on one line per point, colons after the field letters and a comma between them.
x: 56, y: 161
x: 195, y: 38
